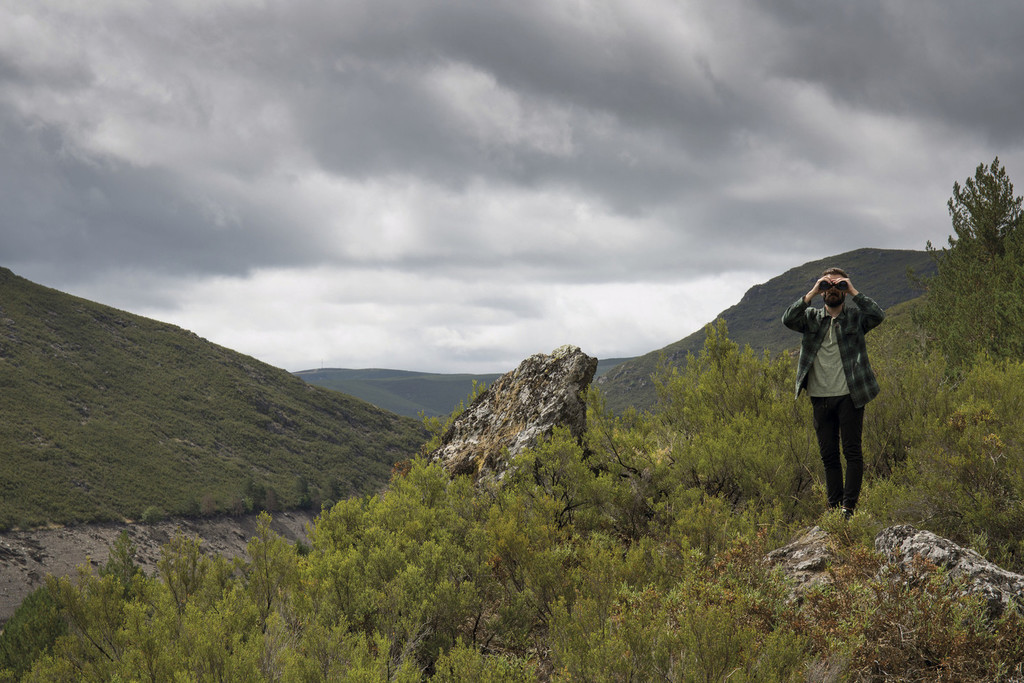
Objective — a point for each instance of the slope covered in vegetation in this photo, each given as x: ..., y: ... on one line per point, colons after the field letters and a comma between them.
x: 108, y: 415
x: 414, y: 394
x: 401, y: 391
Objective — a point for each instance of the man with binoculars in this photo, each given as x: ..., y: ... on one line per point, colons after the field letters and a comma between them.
x: 835, y: 371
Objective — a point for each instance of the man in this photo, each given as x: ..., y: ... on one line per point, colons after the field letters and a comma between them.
x: 834, y: 369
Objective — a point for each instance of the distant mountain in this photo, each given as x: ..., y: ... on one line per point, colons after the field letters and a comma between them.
x: 400, y: 391
x: 105, y: 415
x: 757, y: 319
x: 409, y: 393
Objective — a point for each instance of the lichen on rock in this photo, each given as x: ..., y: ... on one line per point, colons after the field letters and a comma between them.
x: 518, y: 410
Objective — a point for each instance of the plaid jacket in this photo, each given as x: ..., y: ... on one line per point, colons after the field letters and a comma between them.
x: 851, y: 325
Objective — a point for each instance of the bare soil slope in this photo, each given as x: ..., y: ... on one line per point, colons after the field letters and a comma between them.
x: 26, y: 557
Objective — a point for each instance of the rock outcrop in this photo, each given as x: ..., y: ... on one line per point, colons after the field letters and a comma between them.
x: 26, y: 557
x: 904, y: 544
x: 808, y: 560
x: 517, y: 410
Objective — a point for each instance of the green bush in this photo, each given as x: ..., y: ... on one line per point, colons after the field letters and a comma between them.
x: 152, y: 515
x: 893, y: 625
x: 966, y: 478
x: 30, y: 632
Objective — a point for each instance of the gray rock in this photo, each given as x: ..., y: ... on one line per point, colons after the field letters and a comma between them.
x: 806, y: 560
x: 903, y: 544
x: 516, y: 411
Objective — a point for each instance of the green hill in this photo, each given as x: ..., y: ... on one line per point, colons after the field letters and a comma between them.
x: 400, y: 391
x: 409, y: 393
x: 756, y: 319
x: 107, y: 415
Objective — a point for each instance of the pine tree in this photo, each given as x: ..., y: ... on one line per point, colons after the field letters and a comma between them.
x: 974, y: 303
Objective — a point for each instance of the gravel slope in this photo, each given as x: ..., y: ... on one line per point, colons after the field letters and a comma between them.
x: 26, y: 557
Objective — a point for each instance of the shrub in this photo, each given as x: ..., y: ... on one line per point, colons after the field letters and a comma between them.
x: 30, y: 632
x: 153, y: 515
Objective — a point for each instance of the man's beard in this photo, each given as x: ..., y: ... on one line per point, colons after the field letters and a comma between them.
x: 834, y: 299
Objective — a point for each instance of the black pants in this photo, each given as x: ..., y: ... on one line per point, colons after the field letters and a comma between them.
x: 836, y: 421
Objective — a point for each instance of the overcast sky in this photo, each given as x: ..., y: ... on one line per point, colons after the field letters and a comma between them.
x: 453, y: 185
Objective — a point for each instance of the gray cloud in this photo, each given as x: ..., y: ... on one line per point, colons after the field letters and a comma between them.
x: 953, y: 63
x: 458, y: 180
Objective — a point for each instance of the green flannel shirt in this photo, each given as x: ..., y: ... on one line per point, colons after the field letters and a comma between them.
x: 851, y: 326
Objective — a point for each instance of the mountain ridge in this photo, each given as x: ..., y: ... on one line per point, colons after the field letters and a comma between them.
x: 756, y: 320
x: 409, y: 392
x: 107, y: 415
x: 111, y: 382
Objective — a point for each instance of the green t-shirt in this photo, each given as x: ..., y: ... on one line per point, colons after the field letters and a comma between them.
x: 827, y: 377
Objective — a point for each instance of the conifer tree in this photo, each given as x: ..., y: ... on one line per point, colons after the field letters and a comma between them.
x: 974, y: 303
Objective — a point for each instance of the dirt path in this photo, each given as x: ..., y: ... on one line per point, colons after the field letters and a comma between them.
x: 26, y: 557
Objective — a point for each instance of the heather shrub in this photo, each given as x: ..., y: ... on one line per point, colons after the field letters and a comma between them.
x: 965, y: 479
x: 29, y: 633
x: 883, y: 623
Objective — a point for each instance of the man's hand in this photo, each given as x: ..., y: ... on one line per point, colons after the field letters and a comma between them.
x: 832, y: 280
x: 815, y: 290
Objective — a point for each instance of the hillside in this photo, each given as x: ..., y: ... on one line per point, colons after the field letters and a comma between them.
x: 400, y: 391
x: 756, y: 319
x: 106, y: 415
x: 30, y: 556
x: 406, y: 392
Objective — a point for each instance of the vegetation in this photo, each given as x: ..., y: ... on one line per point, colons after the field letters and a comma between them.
x: 632, y: 556
x: 108, y: 415
x: 407, y: 393
x: 974, y: 304
x: 635, y: 554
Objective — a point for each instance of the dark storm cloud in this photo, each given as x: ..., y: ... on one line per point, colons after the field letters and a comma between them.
x: 98, y: 215
x: 362, y: 97
x: 633, y: 108
x: 955, y: 63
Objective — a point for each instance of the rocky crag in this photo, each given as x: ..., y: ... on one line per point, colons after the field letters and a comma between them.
x: 808, y: 560
x: 517, y: 410
x: 905, y: 546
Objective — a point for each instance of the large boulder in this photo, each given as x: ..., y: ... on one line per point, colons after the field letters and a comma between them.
x: 516, y: 411
x: 906, y: 546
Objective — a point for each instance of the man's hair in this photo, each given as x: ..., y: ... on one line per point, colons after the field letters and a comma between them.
x: 835, y: 271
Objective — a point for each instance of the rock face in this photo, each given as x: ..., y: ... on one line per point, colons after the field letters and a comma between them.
x: 806, y: 560
x: 1000, y: 588
x: 521, y: 407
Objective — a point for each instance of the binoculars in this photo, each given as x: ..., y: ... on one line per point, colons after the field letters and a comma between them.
x: 826, y: 285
